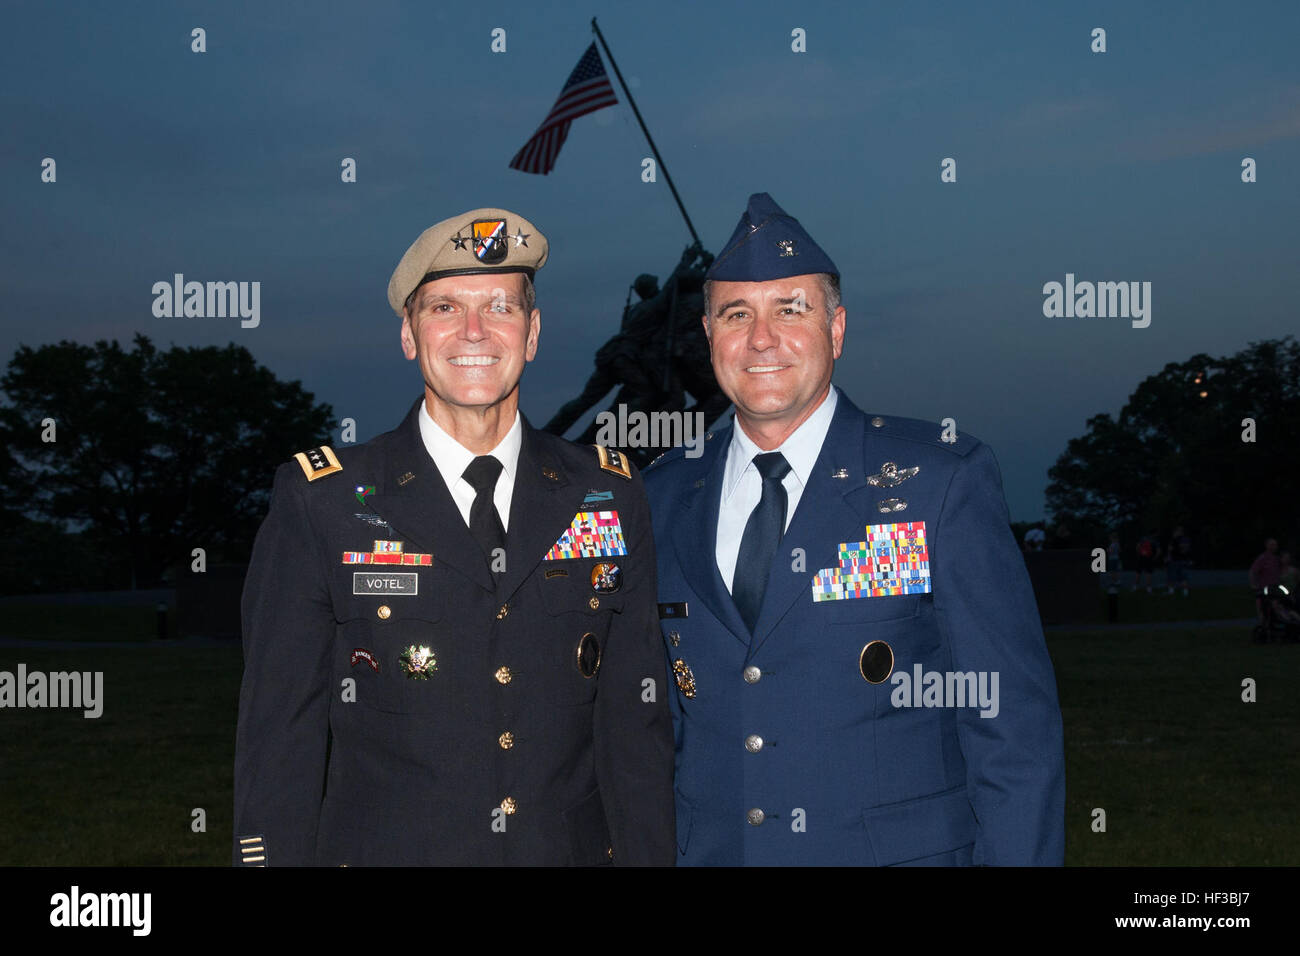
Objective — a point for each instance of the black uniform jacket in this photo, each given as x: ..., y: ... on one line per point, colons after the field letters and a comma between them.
x: 402, y: 703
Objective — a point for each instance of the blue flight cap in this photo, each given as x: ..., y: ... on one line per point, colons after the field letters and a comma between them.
x: 768, y: 244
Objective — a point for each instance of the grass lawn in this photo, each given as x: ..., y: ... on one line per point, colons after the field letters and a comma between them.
x: 1155, y: 733
x: 80, y: 622
x: 1201, y: 604
x: 119, y: 789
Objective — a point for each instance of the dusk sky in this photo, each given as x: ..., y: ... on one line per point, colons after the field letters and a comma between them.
x: 225, y: 165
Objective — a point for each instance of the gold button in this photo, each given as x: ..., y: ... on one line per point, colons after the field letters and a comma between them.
x: 594, y: 602
x: 610, y: 851
x: 506, y: 740
x: 384, y: 611
x: 503, y: 675
x: 504, y: 610
x: 509, y: 805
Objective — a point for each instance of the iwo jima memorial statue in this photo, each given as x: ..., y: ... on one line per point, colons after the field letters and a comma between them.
x: 660, y: 353
x: 659, y: 356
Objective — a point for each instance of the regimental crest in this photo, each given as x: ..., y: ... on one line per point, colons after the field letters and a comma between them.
x: 490, y: 240
x: 685, y: 679
x: 418, y: 663
x: 606, y: 578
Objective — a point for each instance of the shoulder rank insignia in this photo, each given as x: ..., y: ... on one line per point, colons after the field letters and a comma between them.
x: 613, y: 461
x: 318, y: 462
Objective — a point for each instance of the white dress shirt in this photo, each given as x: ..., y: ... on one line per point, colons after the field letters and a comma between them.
x: 742, y: 486
x: 452, y: 458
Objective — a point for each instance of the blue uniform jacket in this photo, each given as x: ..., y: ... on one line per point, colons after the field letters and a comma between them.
x: 785, y: 753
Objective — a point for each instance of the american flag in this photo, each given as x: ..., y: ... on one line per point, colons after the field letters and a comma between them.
x: 586, y: 91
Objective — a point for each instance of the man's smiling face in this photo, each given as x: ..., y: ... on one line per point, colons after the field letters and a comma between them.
x: 471, y: 336
x: 773, y: 347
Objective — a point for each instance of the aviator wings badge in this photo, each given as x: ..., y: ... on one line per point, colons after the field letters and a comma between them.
x: 891, y: 475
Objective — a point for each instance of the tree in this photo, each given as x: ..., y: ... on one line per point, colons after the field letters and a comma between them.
x: 1175, y: 455
x: 155, y: 453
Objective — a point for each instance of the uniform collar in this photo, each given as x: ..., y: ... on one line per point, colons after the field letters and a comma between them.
x: 452, y: 458
x: 800, y: 449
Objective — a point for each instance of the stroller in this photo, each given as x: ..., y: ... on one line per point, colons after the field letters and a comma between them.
x: 1281, y: 618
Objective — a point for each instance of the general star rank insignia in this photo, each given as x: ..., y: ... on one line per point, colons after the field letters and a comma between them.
x: 894, y: 559
x: 318, y: 462
x: 613, y: 462
x: 418, y: 662
x: 592, y: 534
x: 387, y: 552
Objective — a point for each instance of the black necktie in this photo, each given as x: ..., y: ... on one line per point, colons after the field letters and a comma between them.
x: 762, y: 534
x: 484, y: 522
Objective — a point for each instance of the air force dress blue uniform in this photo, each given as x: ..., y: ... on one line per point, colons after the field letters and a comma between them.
x: 894, y: 702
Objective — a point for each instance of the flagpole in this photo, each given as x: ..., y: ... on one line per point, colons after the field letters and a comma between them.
x: 637, y: 113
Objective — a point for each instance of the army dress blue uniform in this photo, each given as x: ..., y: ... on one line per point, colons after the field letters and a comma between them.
x: 789, y: 748
x: 404, y: 704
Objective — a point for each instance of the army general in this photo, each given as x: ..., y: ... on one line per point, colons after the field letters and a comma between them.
x: 861, y: 676
x: 450, y: 647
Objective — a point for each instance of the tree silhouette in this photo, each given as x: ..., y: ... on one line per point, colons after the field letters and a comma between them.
x: 155, y: 453
x: 1176, y: 455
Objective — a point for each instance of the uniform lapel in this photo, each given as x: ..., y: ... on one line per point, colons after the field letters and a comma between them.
x: 542, y: 508
x: 418, y: 506
x: 698, y: 512
x: 830, y: 511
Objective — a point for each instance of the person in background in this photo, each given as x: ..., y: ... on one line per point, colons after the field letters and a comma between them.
x: 1179, y: 559
x: 1265, y: 572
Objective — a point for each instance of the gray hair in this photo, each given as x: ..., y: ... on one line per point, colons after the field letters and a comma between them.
x: 830, y: 295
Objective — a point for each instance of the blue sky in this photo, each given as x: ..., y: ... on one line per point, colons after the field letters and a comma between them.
x: 225, y: 165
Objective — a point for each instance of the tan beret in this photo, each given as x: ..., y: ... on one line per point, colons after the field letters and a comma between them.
x: 481, y: 240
